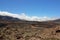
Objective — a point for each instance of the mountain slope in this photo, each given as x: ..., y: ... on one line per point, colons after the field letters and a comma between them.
x: 8, y: 18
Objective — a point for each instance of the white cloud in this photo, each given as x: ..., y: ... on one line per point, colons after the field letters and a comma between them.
x: 25, y: 17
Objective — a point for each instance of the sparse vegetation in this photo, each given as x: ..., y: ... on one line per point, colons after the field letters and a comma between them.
x: 23, y: 31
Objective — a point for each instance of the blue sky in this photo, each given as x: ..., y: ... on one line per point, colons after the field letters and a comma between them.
x: 50, y: 8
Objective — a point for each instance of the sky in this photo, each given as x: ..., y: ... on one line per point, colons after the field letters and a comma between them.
x: 40, y: 8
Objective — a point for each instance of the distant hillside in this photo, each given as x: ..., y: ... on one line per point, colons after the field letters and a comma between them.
x: 12, y: 20
x: 57, y: 21
x: 8, y: 18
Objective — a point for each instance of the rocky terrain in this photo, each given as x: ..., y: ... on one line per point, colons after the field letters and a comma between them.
x: 15, y: 29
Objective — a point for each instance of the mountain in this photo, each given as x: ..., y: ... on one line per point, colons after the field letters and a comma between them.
x: 58, y: 20
x: 12, y: 19
x: 8, y: 18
